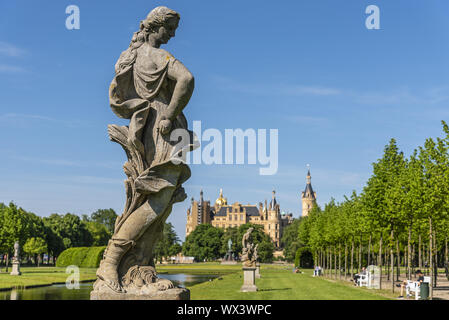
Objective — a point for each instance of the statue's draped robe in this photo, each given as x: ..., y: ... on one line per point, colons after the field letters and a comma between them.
x: 142, y: 96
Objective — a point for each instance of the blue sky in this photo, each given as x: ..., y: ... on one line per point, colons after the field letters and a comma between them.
x: 336, y: 91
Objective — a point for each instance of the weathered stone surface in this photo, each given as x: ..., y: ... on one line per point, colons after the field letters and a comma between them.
x: 249, y: 280
x: 258, y: 270
x: 150, y: 88
x: 171, y: 294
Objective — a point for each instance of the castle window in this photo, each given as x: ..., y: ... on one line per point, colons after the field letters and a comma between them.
x: 241, y: 217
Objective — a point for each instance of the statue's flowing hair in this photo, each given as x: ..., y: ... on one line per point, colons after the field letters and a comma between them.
x: 157, y: 18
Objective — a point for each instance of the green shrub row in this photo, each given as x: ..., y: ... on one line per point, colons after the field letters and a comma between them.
x: 85, y: 257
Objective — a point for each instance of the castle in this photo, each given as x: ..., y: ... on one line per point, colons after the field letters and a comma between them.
x: 222, y: 215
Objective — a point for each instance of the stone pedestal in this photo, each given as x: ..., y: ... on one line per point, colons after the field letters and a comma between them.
x: 170, y: 294
x: 249, y: 280
x: 258, y: 271
x: 15, y: 269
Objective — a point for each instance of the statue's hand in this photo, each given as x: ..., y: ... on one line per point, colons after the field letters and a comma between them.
x: 164, y: 126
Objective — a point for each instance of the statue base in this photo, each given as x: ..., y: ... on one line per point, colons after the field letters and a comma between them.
x: 229, y: 262
x: 15, y: 269
x: 170, y: 294
x: 249, y: 280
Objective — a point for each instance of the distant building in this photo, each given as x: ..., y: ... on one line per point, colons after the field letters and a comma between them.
x: 222, y: 215
x: 308, y: 197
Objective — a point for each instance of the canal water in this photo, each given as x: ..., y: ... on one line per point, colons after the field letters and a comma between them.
x: 60, y: 292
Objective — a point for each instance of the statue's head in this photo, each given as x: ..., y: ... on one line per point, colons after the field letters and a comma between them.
x: 162, y: 22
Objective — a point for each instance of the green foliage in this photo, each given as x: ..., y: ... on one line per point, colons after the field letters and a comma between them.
x: 204, y: 243
x: 169, y: 244
x: 88, y: 257
x: 99, y: 233
x: 35, y: 246
x: 93, y: 257
x: 106, y: 217
x: 303, y: 258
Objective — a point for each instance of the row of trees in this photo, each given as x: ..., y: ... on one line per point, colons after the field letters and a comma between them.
x: 52, y: 234
x: 208, y: 243
x: 400, y: 218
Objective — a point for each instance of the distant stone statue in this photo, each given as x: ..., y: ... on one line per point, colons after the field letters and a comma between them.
x: 16, y: 260
x: 229, y: 257
x: 249, y: 253
x: 150, y: 88
x: 248, y: 259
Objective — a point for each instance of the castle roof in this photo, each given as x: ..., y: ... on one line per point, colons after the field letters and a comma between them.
x: 250, y: 211
x: 308, y: 191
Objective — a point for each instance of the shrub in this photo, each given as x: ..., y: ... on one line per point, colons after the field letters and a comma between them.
x: 93, y: 257
x: 86, y: 257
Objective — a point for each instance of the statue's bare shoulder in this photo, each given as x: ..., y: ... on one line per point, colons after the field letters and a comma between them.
x: 151, y: 59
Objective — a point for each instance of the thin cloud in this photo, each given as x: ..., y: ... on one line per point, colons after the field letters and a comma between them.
x: 276, y: 89
x: 10, y: 50
x: 4, y: 68
x: 20, y: 117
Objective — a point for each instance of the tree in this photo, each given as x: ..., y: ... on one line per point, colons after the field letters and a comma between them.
x: 71, y: 229
x: 204, y: 243
x: 290, y: 240
x: 99, y: 233
x: 106, y: 217
x: 35, y: 246
x: 169, y: 244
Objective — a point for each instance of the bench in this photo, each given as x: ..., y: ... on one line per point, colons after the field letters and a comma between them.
x: 413, y: 286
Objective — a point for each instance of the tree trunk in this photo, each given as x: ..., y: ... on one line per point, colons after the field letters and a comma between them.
x: 409, y: 250
x: 346, y: 260
x: 360, y: 254
x: 446, y: 255
x: 392, y: 261
x: 380, y: 261
x: 419, y: 252
x: 398, y: 257
x: 435, y: 246
x: 431, y: 260
x: 335, y: 261
x: 369, y: 250
x: 352, y: 260
x: 339, y: 262
x: 7, y: 262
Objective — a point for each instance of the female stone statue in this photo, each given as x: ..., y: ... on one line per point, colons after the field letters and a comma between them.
x: 151, y: 88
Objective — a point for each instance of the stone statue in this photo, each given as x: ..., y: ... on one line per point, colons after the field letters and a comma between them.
x: 230, y: 244
x: 16, y: 251
x: 16, y: 260
x: 150, y: 88
x: 248, y: 250
x: 248, y: 263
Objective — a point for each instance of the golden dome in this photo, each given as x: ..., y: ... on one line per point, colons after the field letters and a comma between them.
x: 221, y: 201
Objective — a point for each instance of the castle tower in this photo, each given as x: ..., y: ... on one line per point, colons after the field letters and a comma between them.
x: 308, y: 196
x: 198, y: 213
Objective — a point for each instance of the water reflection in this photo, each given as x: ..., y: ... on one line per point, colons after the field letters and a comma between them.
x: 60, y: 292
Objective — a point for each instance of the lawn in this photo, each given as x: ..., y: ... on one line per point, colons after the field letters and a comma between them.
x: 32, y: 276
x: 280, y: 283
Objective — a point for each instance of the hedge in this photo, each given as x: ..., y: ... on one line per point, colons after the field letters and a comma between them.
x: 86, y: 257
